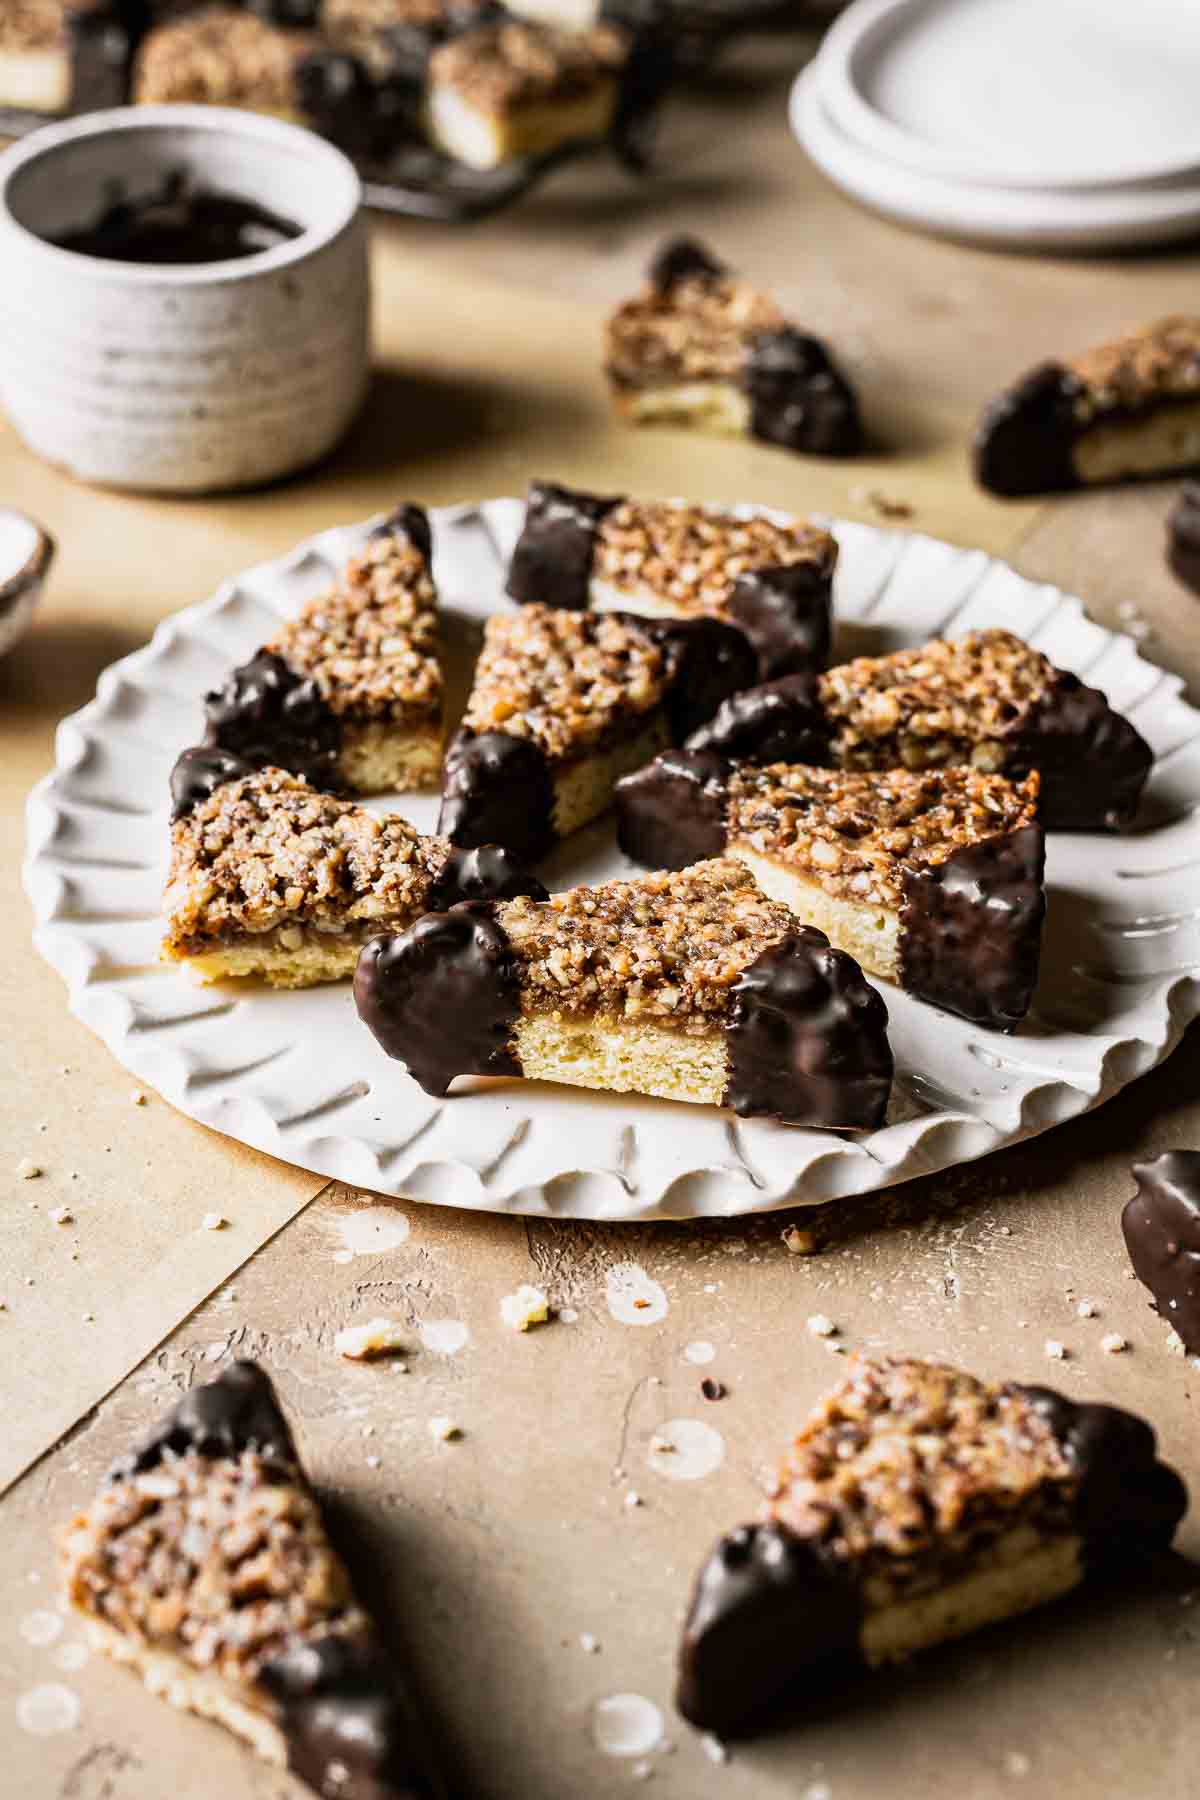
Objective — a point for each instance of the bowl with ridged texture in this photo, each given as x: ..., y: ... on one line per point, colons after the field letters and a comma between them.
x: 189, y: 377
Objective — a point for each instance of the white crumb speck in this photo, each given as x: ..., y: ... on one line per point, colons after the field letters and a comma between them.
x: 1175, y: 1343
x: 213, y: 1222
x: 88, y: 1318
x: 373, y: 1462
x: 713, y: 1748
x: 632, y: 1499
x: 1087, y: 1309
x: 818, y: 1790
x: 62, y: 1215
x: 642, y: 1771
x: 137, y: 1098
x: 528, y: 1306
x: 376, y: 1338
x: 1113, y: 1343
x: 27, y: 1169
x: 661, y: 1445
x: 568, y: 1315
x: 588, y: 1643
x: 1055, y: 1351
x: 368, y: 1431
x: 821, y: 1326
x: 443, y: 1429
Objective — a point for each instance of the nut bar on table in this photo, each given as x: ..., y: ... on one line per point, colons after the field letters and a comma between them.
x: 932, y: 880
x: 987, y: 700
x: 65, y: 56
x: 669, y: 559
x: 691, y: 986
x: 350, y: 692
x: 918, y: 1504
x: 271, y: 877
x: 563, y: 704
x: 514, y: 89
x: 1124, y: 409
x: 204, y: 1564
x: 700, y: 346
x: 1161, y: 1227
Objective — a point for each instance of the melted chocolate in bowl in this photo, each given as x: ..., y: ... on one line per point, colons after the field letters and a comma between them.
x: 180, y: 224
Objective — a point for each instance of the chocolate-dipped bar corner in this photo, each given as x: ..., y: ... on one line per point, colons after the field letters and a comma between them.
x: 864, y: 1556
x: 692, y: 987
x: 668, y: 559
x: 1161, y: 1227
x: 933, y: 880
x: 260, y: 1628
x: 67, y: 56
x: 1183, y: 537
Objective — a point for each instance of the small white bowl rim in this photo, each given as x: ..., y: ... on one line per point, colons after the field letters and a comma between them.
x: 224, y: 121
x: 31, y: 572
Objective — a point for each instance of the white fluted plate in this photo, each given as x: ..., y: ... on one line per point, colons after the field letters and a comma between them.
x: 296, y: 1075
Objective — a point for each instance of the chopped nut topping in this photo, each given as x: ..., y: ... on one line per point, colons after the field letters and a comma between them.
x: 500, y: 68
x: 690, y: 556
x: 1156, y: 362
x: 697, y: 330
x: 528, y: 1306
x: 223, y: 56
x: 667, y: 948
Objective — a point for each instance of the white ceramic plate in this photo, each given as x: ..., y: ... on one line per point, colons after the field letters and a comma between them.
x: 296, y: 1075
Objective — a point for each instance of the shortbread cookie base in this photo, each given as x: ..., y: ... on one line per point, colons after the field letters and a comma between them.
x: 584, y: 790
x: 715, y: 406
x: 378, y: 758
x: 567, y: 15
x: 624, y: 1057
x: 484, y: 140
x: 604, y: 597
x: 294, y: 956
x: 36, y: 80
x: 1167, y: 439
x: 870, y: 934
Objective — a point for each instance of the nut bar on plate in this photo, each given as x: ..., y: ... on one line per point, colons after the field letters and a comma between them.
x: 271, y: 877
x: 1161, y: 1226
x: 691, y: 986
x: 65, y: 56
x: 668, y: 559
x: 987, y: 700
x: 398, y: 37
x: 700, y: 346
x: 932, y: 880
x: 563, y: 704
x: 1124, y: 409
x: 205, y: 1565
x: 918, y: 1504
x: 350, y: 692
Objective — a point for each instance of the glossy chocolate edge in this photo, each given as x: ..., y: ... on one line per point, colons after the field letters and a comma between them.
x: 778, y: 721
x: 971, y: 928
x: 199, y: 772
x: 488, y: 872
x: 237, y: 1411
x: 497, y: 789
x: 443, y: 997
x: 1024, y: 441
x: 1093, y: 763
x: 551, y: 563
x: 799, y: 398
x: 682, y: 259
x: 708, y: 662
x: 673, y: 812
x: 786, y: 611
x: 273, y: 718
x: 807, y: 1038
x: 1161, y: 1228
x: 1183, y: 537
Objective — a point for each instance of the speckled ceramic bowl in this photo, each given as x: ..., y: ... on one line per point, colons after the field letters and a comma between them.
x: 26, y: 552
x: 181, y: 379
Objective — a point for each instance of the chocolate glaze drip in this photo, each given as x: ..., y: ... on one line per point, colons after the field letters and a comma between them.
x: 781, y: 721
x: 497, y: 789
x: 798, y: 398
x: 673, y: 812
x: 807, y: 1038
x: 238, y: 1411
x: 341, y: 1707
x: 489, y: 873
x: 682, y: 259
x: 1093, y: 762
x: 412, y: 522
x: 1183, y: 537
x: 552, y: 562
x: 708, y: 661
x: 273, y: 717
x: 1023, y: 445
x: 442, y: 997
x: 1126, y: 1502
x: 768, y: 1608
x: 1161, y: 1225
x: 179, y: 224
x: 200, y: 772
x: 971, y: 927
x: 786, y: 612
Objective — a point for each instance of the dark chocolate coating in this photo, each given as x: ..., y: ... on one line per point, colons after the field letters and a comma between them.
x: 337, y: 98
x: 497, y: 789
x: 293, y: 15
x: 807, y: 1038
x: 273, y: 717
x: 787, y: 613
x: 768, y: 1607
x: 798, y: 398
x: 443, y: 996
x: 781, y: 721
x: 682, y: 259
x: 408, y: 521
x: 1023, y: 445
x: 1183, y: 536
x: 489, y: 873
x: 340, y: 1704
x: 200, y: 772
x: 645, y: 77
x: 708, y: 662
x: 673, y: 812
x: 411, y: 42
x: 238, y: 1411
x: 100, y: 40
x: 971, y: 928
x: 1093, y: 763
x: 1161, y: 1225
x: 1127, y: 1501
x: 552, y: 562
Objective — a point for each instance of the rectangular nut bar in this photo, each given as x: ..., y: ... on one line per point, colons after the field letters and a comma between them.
x: 224, y: 56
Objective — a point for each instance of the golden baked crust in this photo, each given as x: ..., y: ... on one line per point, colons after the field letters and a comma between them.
x: 856, y: 834
x: 502, y: 68
x: 695, y: 330
x: 1155, y: 362
x: 222, y: 56
x: 667, y: 947
x: 571, y: 682
x: 691, y: 556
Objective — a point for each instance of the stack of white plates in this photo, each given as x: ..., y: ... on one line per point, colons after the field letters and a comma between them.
x: 1070, y: 124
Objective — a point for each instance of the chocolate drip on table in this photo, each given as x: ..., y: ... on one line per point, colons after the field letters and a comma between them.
x: 274, y: 718
x: 1161, y: 1227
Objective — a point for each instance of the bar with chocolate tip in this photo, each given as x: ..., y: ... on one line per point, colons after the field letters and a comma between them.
x: 692, y: 986
x: 1122, y: 410
x: 918, y: 1504
x: 65, y: 56
x: 205, y: 1565
x: 270, y: 877
x: 398, y: 37
x: 672, y: 560
x: 350, y: 692
x: 700, y: 346
x: 1183, y: 537
x: 1161, y: 1227
x: 987, y: 700
x: 563, y: 704
x: 932, y: 880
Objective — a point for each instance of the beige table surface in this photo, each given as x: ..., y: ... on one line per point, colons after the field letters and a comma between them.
x: 496, y: 1553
